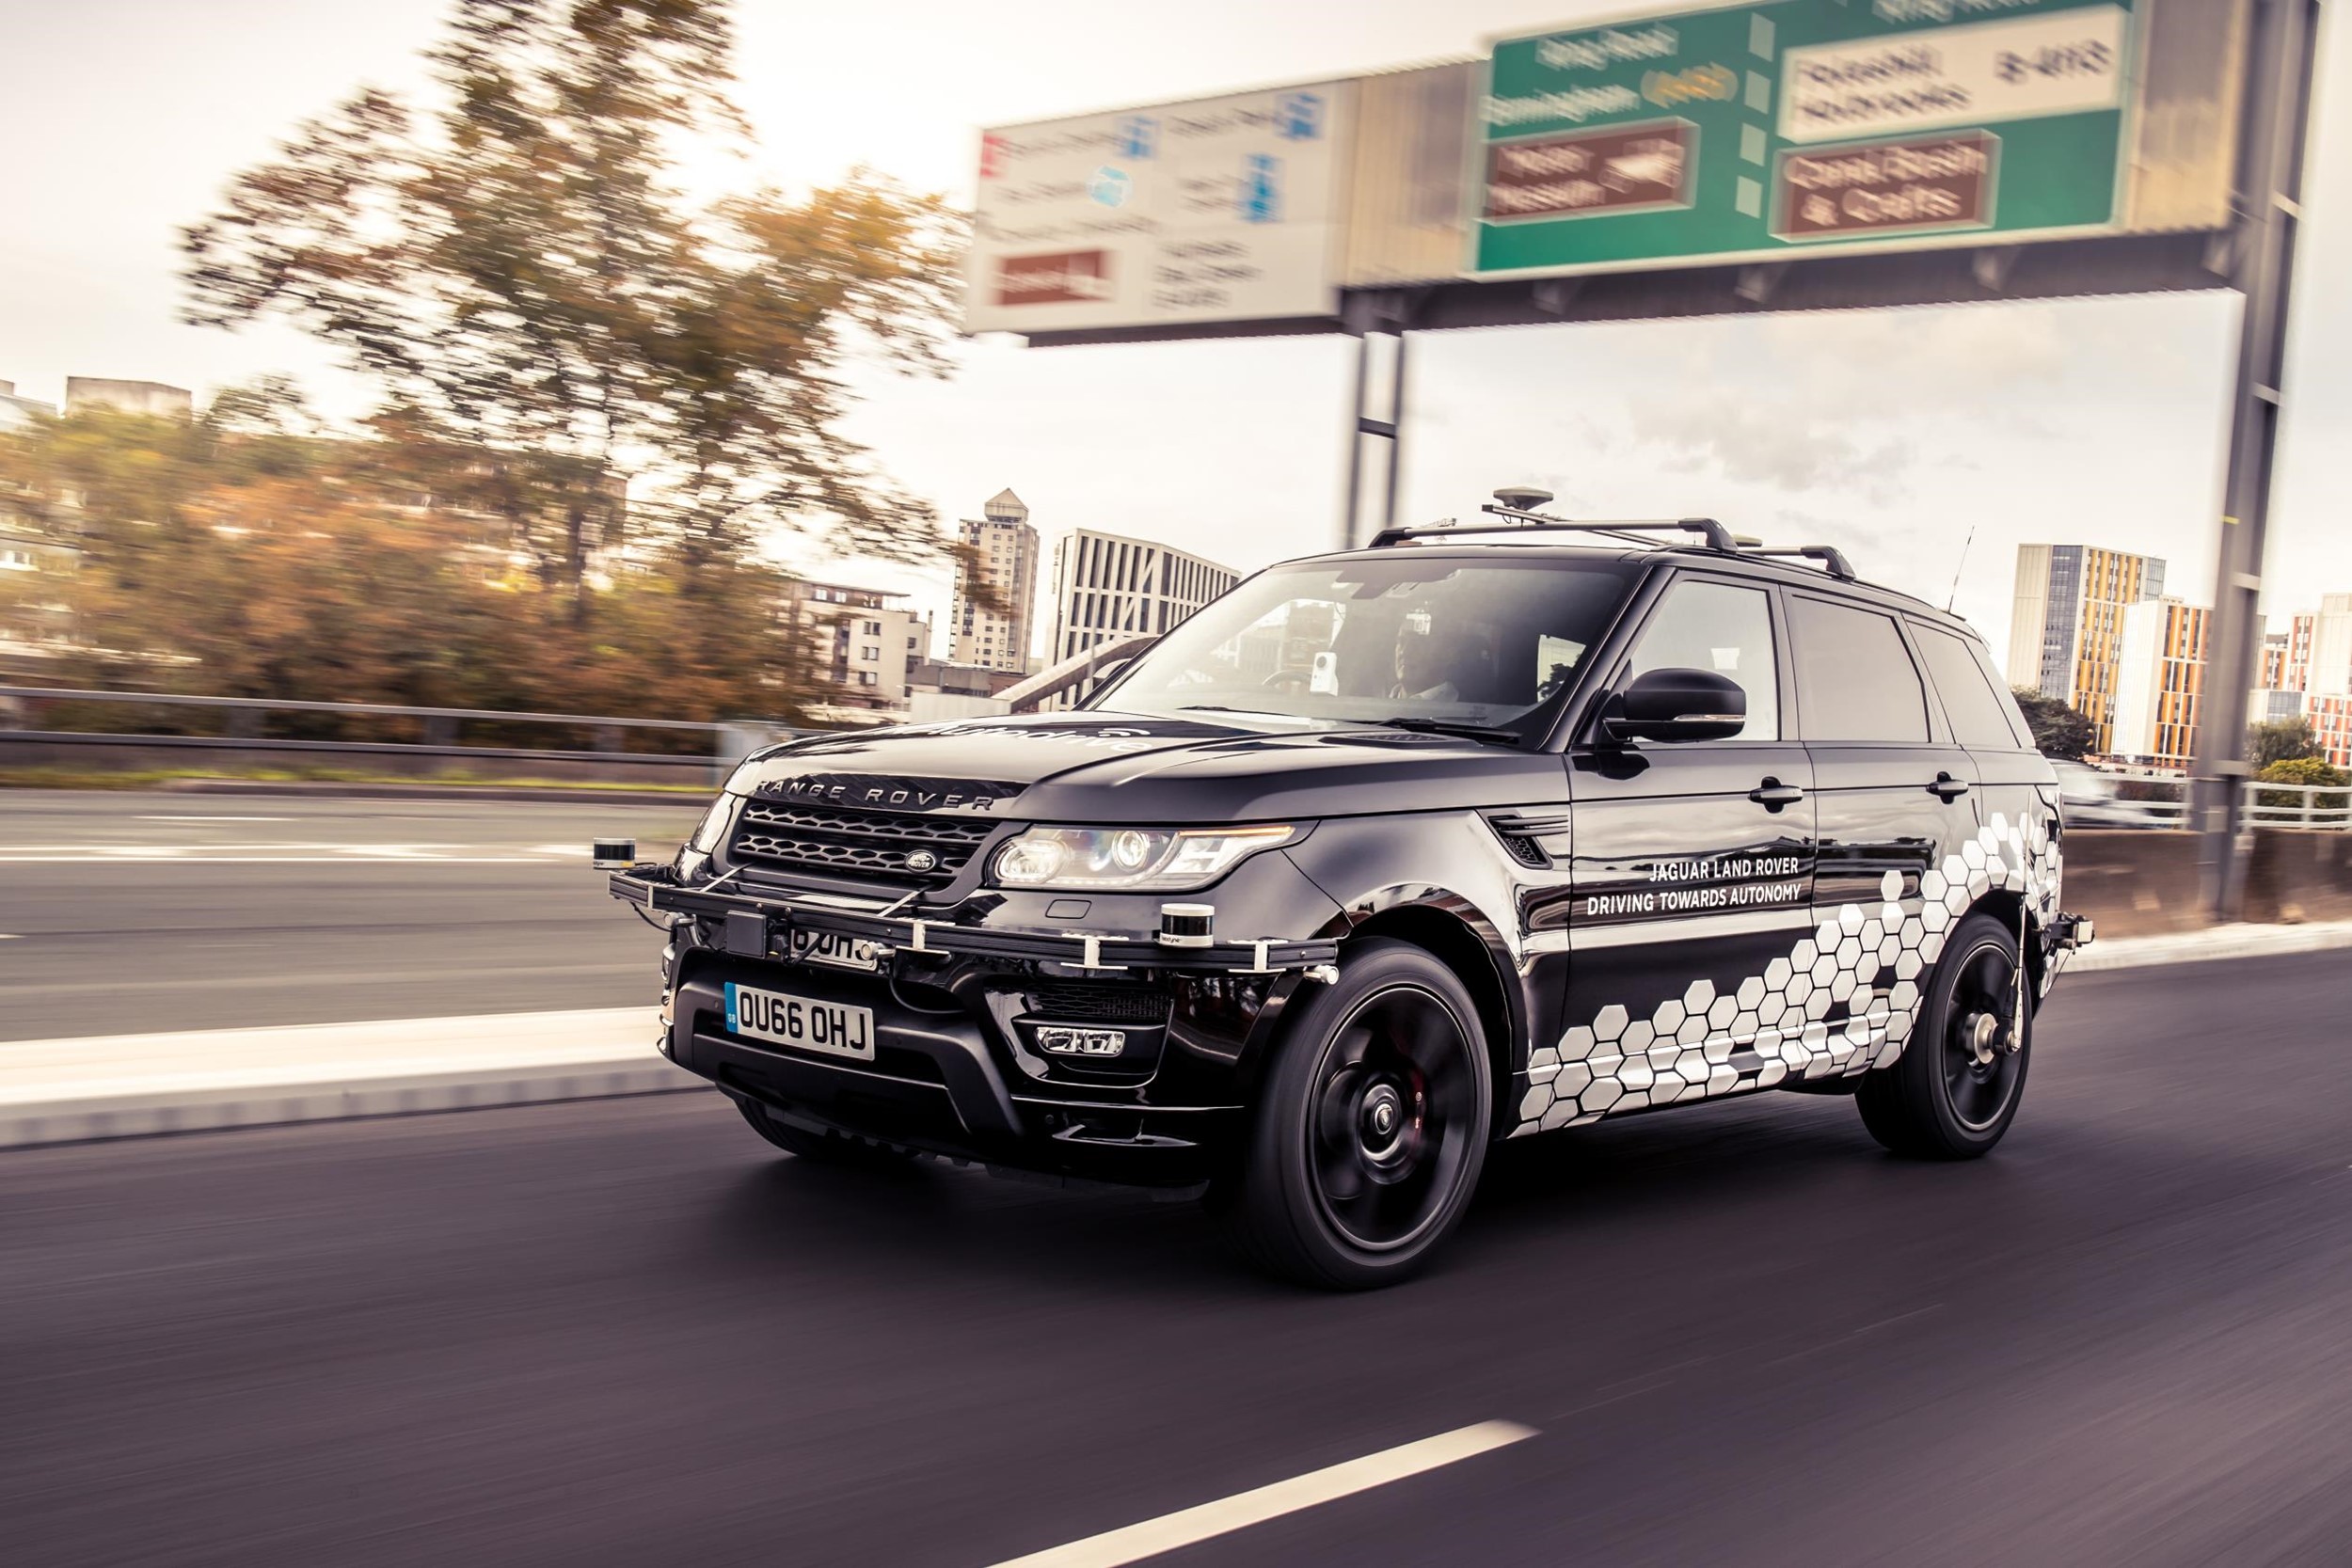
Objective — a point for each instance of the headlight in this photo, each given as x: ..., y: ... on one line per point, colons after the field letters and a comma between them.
x: 713, y: 824
x: 1120, y: 859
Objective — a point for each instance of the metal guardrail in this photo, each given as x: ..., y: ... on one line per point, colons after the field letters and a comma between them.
x: 727, y: 742
x: 2290, y: 807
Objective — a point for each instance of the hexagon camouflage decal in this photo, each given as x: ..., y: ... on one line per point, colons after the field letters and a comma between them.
x: 1683, y: 1050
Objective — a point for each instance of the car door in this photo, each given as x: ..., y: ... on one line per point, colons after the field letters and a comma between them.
x: 1691, y: 869
x: 1895, y: 799
x: 2017, y: 803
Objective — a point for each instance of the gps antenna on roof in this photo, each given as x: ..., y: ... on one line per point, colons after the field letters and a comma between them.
x: 1523, y: 497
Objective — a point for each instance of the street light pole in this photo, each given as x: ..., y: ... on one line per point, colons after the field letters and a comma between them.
x: 2261, y: 267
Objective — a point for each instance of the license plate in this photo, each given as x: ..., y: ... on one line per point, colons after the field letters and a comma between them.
x: 801, y: 1021
x: 840, y: 952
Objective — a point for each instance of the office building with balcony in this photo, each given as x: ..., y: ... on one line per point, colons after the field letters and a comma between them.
x: 1107, y: 587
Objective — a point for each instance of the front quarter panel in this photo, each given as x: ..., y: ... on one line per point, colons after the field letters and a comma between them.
x: 1394, y: 874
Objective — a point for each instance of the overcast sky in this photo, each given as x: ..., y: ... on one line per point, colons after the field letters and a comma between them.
x: 1890, y: 434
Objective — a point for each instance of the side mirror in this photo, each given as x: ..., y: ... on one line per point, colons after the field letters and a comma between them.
x: 1676, y: 704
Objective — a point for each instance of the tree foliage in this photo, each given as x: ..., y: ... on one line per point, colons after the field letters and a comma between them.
x: 238, y: 555
x: 548, y: 316
x: 2058, y: 730
x: 2280, y: 740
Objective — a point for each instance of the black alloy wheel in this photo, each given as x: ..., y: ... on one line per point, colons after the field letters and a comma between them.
x: 1370, y: 1128
x: 1955, y: 1089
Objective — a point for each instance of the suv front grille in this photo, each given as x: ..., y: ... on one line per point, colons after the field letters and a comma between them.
x: 839, y: 841
x: 1099, y: 1004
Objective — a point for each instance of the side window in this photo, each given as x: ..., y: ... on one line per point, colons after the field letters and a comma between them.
x: 1979, y: 714
x: 1855, y: 678
x: 1718, y: 626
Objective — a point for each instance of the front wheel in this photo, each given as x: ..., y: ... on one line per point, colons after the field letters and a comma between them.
x: 1371, y: 1126
x: 1955, y: 1088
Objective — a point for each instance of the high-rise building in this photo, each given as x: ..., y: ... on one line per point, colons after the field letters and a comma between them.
x: 2066, y: 625
x: 2328, y: 665
x: 1002, y: 548
x: 1106, y: 586
x: 2159, y: 676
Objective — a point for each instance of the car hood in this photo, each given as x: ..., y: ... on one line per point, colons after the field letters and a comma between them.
x: 1112, y: 767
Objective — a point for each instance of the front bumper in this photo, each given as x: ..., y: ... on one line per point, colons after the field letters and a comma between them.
x: 954, y: 1074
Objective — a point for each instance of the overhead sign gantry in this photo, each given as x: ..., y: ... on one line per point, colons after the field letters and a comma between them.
x: 1760, y: 155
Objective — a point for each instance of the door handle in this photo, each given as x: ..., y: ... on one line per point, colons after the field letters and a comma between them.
x: 1771, y: 793
x: 1947, y: 788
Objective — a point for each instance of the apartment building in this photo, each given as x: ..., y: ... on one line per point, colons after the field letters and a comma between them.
x: 2159, y: 677
x: 1003, y: 550
x: 2066, y: 624
x: 861, y: 644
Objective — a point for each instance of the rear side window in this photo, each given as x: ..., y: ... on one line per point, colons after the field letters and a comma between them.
x: 1979, y: 714
x: 1854, y: 677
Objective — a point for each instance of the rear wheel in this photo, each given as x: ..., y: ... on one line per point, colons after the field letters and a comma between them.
x: 1371, y: 1126
x: 1953, y: 1092
x: 832, y: 1148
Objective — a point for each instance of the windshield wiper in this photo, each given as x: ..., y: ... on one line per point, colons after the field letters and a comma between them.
x: 1453, y: 726
x: 1253, y: 712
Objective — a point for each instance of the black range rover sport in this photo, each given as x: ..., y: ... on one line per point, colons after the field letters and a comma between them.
x: 1384, y: 856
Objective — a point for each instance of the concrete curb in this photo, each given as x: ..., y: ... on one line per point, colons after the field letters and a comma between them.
x: 2218, y: 942
x: 160, y: 1112
x: 140, y: 1086
x: 143, y: 1085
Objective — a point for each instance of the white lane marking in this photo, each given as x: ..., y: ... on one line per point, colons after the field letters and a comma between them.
x: 209, y: 817
x: 1193, y: 1524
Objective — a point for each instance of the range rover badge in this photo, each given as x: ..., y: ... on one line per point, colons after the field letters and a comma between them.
x: 922, y: 860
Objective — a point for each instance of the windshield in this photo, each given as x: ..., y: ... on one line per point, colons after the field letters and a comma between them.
x: 1413, y: 637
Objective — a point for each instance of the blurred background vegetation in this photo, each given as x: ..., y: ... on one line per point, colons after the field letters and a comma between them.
x: 605, y: 408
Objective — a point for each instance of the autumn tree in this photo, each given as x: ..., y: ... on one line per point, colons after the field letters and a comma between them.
x: 241, y: 553
x: 549, y: 317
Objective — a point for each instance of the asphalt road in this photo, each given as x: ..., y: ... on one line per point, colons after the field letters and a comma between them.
x: 625, y: 1332
x: 127, y: 911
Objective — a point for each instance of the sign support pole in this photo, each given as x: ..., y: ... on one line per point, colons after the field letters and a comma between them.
x: 2270, y: 186
x: 1367, y: 321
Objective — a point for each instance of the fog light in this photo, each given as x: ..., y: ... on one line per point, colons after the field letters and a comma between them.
x: 1082, y: 1042
x: 1186, y: 924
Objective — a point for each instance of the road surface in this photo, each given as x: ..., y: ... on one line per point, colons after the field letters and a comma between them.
x: 626, y: 1332
x: 127, y: 911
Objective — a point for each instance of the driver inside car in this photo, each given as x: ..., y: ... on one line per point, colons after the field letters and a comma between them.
x: 1425, y: 666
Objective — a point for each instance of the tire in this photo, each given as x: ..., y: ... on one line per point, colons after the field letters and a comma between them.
x: 1370, y: 1128
x: 831, y: 1149
x: 1955, y: 1089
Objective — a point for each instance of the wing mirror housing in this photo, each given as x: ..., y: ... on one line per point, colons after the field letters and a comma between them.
x: 1676, y: 704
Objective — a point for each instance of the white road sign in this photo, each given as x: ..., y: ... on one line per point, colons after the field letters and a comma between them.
x: 1221, y: 209
x: 2059, y: 62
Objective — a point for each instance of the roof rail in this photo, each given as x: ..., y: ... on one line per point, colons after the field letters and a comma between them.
x: 1833, y: 559
x: 1719, y: 538
x: 1516, y: 507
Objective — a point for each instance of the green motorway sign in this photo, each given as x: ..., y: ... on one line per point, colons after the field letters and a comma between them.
x: 1797, y: 127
